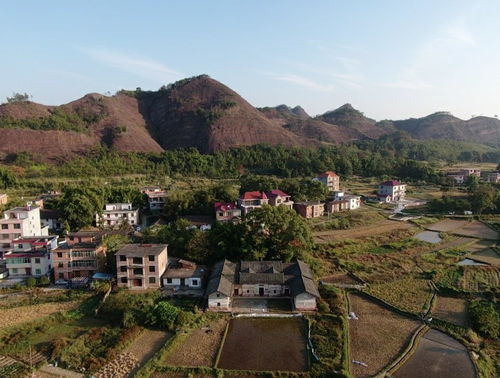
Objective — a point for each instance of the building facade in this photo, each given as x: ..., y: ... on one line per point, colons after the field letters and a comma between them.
x: 4, y: 198
x: 182, y: 273
x: 252, y: 200
x: 278, y: 198
x: 141, y: 266
x: 391, y: 191
x: 309, y: 209
x: 74, y: 260
x: 156, y: 197
x: 116, y: 214
x: 330, y: 179
x: 31, y: 257
x: 226, y: 211
x: 261, y: 279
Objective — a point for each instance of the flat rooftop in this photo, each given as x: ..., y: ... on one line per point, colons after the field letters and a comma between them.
x: 140, y: 250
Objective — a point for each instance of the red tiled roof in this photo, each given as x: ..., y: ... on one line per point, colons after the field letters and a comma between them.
x: 253, y: 195
x: 224, y: 206
x: 391, y: 183
x: 275, y: 193
x: 328, y: 174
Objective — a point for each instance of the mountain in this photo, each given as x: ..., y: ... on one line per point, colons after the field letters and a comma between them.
x: 300, y: 123
x: 348, y: 117
x: 203, y: 113
x: 443, y: 125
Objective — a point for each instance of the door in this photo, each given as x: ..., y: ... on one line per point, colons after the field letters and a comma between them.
x: 28, y: 271
x: 183, y: 281
x: 261, y: 291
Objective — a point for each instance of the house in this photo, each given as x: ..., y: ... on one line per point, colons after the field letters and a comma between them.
x: 458, y: 177
x: 156, y: 197
x: 116, y: 214
x: 470, y: 172
x: 31, y: 256
x: 141, y: 266
x: 20, y: 222
x: 337, y: 206
x: 226, y: 211
x: 310, y: 209
x: 391, y: 191
x: 183, y: 276
x: 261, y: 279
x: 78, y: 257
x: 52, y: 219
x: 252, y: 200
x: 4, y: 198
x: 490, y: 176
x: 278, y: 198
x: 330, y: 179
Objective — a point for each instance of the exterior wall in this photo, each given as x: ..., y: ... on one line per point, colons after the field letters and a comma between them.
x: 396, y: 192
x: 332, y: 182
x: 16, y: 224
x: 304, y: 302
x: 126, y: 277
x: 248, y: 205
x: 76, y: 262
x: 223, y: 216
x: 192, y: 282
x: 218, y: 301
x: 254, y: 290
x: 310, y: 211
x: 111, y: 218
x: 4, y: 198
x: 36, y: 265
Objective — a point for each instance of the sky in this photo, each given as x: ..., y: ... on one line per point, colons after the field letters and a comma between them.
x: 389, y: 59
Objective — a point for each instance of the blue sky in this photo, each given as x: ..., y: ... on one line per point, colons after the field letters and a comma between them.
x: 390, y: 59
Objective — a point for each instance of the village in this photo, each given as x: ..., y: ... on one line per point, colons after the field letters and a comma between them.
x: 314, y: 318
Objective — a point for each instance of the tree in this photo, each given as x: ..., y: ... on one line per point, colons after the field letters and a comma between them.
x: 44, y: 280
x: 113, y: 243
x: 30, y: 282
x: 485, y: 318
x: 163, y: 315
x: 483, y: 199
x: 7, y: 178
x: 19, y: 97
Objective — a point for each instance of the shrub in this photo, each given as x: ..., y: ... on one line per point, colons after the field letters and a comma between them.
x: 485, y: 318
x: 30, y: 282
x: 163, y: 315
x: 44, y: 280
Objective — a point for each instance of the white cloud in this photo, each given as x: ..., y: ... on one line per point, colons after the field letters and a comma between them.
x: 303, y: 82
x: 137, y: 65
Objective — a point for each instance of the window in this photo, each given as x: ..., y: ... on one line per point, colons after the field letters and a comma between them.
x: 38, y: 272
x: 152, y: 280
x: 151, y: 269
x: 169, y: 280
x: 248, y: 291
x: 59, y: 254
x: 123, y: 268
x: 14, y: 271
x: 61, y: 276
x: 17, y: 226
x: 138, y: 271
x: 37, y: 260
x: 5, y: 226
x: 195, y: 282
x: 20, y: 246
x: 151, y: 258
x: 5, y: 236
x: 218, y: 295
x: 218, y: 304
x: 123, y: 258
x: 137, y: 260
x: 60, y: 265
x: 123, y: 280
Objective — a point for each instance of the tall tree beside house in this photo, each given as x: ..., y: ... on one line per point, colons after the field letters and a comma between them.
x: 277, y: 233
x: 113, y: 243
x: 7, y: 178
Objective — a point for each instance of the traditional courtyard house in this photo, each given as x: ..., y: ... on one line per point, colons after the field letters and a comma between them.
x: 20, y: 222
x: 31, y: 256
x: 493, y: 177
x: 312, y: 209
x: 457, y: 177
x: 252, y: 200
x: 184, y: 277
x: 116, y: 214
x: 4, y: 198
x: 391, y: 191
x: 52, y: 219
x: 261, y: 279
x: 141, y: 266
x: 278, y: 198
x: 78, y: 257
x: 330, y: 179
x: 156, y: 197
x: 226, y: 211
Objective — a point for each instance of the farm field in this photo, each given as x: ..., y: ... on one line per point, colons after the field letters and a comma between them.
x: 408, y: 294
x: 380, y: 227
x: 269, y: 344
x: 474, y: 229
x: 377, y: 337
x: 488, y: 256
x: 447, y: 225
x: 453, y: 310
x: 17, y: 315
x: 200, y: 346
x: 437, y: 355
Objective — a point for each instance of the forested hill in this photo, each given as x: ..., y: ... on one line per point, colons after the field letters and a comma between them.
x: 203, y: 113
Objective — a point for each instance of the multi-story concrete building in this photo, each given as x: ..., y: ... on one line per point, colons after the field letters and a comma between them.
x: 493, y: 176
x: 20, y: 222
x: 156, y: 197
x: 278, y: 198
x: 391, y: 191
x: 74, y: 259
x: 116, y: 214
x: 330, y: 179
x: 31, y: 256
x: 226, y: 211
x: 252, y: 200
x: 312, y: 209
x: 140, y: 266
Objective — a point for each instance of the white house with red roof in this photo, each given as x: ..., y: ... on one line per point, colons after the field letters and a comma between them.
x: 252, y: 200
x: 391, y: 191
x: 30, y: 256
x: 330, y: 179
x: 226, y: 211
x: 278, y: 198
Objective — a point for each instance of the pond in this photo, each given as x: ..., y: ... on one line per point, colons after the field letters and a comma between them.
x: 429, y: 237
x: 437, y: 355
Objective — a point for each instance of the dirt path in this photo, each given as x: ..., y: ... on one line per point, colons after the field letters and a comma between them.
x: 360, y: 232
